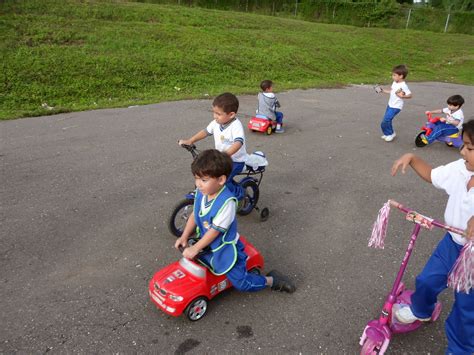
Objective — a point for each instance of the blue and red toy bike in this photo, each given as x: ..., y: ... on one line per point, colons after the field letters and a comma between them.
x: 453, y: 140
x: 247, y: 189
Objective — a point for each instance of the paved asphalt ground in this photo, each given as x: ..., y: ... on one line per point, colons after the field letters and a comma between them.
x: 85, y: 198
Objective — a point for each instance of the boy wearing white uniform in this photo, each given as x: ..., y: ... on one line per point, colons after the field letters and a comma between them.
x: 228, y: 133
x: 398, y: 92
x: 451, y: 124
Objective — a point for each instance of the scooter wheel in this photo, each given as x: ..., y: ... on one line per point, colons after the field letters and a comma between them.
x: 370, y: 347
x: 264, y: 213
x: 418, y: 142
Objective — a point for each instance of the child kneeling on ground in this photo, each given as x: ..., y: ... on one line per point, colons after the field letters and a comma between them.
x: 214, y: 215
x: 457, y: 179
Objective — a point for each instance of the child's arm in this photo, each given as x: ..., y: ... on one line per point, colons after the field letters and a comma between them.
x: 401, y: 94
x: 197, y: 137
x: 435, y: 111
x: 234, y: 148
x: 188, y: 230
x: 452, y: 121
x: 422, y: 168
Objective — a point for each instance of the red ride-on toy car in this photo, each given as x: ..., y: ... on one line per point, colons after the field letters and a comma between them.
x: 261, y: 123
x: 186, y: 286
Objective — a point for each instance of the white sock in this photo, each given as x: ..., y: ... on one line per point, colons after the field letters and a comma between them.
x: 278, y: 126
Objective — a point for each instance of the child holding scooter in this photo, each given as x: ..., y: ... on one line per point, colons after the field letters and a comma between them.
x: 215, y: 223
x: 268, y: 104
x: 449, y: 125
x: 457, y: 179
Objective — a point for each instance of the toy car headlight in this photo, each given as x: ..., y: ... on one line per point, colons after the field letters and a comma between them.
x: 176, y: 298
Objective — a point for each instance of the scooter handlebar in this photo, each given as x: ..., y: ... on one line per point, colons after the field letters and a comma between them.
x: 425, y: 221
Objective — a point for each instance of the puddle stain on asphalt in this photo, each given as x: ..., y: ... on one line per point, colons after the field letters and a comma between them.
x: 187, y: 345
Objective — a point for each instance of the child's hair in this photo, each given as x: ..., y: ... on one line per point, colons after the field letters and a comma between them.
x: 400, y: 70
x: 468, y: 128
x: 455, y: 100
x: 227, y: 102
x: 212, y: 163
x: 266, y: 84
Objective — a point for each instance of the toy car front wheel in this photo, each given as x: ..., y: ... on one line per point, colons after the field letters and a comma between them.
x: 269, y: 130
x: 418, y: 142
x: 196, y: 309
x: 255, y: 270
x: 179, y: 216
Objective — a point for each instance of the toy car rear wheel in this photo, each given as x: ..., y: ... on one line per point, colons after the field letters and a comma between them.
x: 418, y: 142
x: 264, y: 213
x: 255, y: 270
x: 196, y: 309
x: 250, y: 199
x: 179, y: 216
x: 450, y: 144
x: 269, y: 130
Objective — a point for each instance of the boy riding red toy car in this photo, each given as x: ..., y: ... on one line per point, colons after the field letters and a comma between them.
x: 186, y: 286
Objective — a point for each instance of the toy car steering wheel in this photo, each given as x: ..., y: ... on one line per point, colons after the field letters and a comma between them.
x: 191, y: 242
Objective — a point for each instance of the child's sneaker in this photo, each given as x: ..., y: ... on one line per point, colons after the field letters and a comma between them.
x: 405, y: 315
x: 281, y: 282
x: 280, y: 130
x: 390, y: 137
x: 383, y: 137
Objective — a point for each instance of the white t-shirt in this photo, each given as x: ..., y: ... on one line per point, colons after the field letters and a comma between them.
x: 457, y: 115
x: 224, y: 218
x: 226, y: 135
x: 395, y: 101
x: 453, y: 178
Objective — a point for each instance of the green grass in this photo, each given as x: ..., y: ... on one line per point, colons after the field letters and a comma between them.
x: 77, y: 55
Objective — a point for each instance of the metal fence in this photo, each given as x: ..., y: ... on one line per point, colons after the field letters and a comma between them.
x: 362, y: 14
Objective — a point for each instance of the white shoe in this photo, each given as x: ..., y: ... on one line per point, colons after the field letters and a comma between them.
x: 383, y: 137
x: 405, y: 315
x: 390, y: 137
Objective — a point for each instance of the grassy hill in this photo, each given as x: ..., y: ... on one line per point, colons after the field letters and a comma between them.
x: 76, y: 55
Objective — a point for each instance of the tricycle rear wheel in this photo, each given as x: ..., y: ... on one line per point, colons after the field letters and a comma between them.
x: 179, y: 216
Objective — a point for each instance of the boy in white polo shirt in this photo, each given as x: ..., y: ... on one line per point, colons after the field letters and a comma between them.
x: 457, y: 180
x: 398, y: 92
x: 228, y: 133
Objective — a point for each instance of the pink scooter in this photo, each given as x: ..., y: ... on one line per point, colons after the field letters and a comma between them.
x: 378, y: 332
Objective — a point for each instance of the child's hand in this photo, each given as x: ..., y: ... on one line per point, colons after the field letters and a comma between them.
x: 400, y: 93
x: 402, y: 163
x: 185, y: 141
x: 470, y: 229
x: 191, y: 252
x: 183, y: 242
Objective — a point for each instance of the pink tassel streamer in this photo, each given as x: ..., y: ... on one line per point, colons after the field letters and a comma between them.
x: 379, y: 231
x: 461, y: 277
